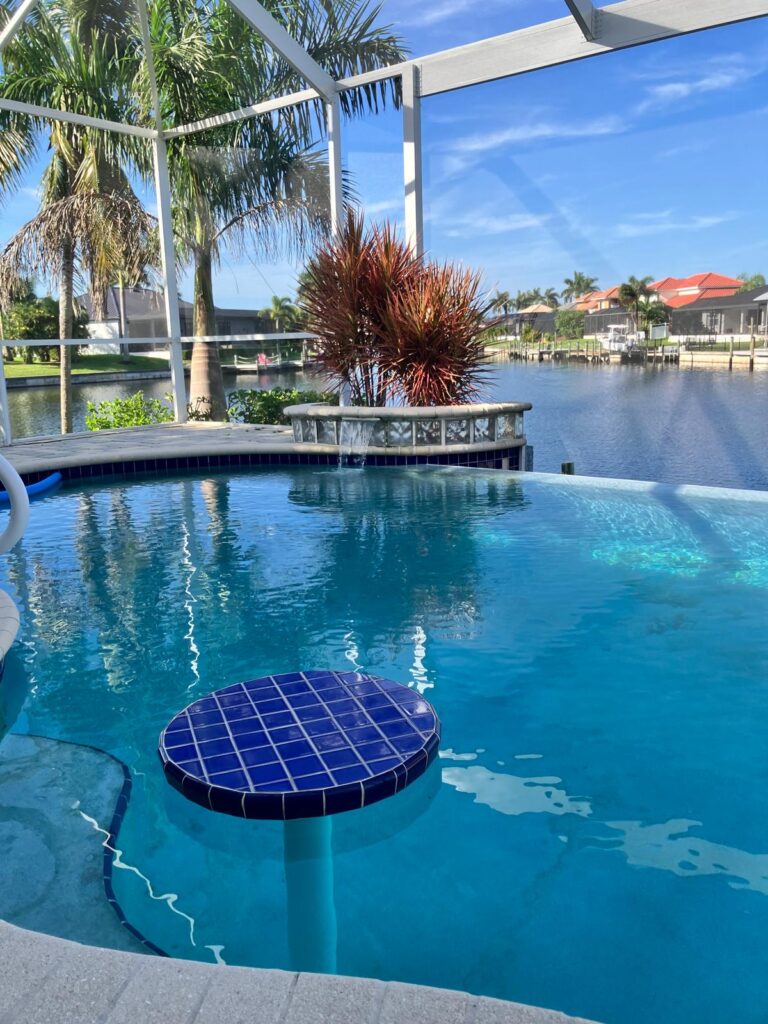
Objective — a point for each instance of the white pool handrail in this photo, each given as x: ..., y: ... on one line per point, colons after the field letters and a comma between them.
x: 19, y: 501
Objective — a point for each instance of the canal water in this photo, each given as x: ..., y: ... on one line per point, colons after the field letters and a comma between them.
x: 676, y: 426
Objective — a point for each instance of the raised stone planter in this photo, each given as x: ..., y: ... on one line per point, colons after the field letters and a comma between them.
x: 478, y: 434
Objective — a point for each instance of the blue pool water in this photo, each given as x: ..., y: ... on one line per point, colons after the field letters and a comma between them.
x: 594, y: 836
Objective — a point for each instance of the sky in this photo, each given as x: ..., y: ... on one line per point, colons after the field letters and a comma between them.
x: 649, y: 161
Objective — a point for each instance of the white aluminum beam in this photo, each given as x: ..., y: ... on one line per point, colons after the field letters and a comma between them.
x: 165, y: 227
x: 168, y: 265
x: 243, y: 113
x: 51, y: 114
x: 333, y: 124
x: 15, y: 22
x: 622, y: 25
x: 586, y: 17
x: 212, y: 339
x: 277, y: 37
x: 5, y: 419
x: 412, y: 161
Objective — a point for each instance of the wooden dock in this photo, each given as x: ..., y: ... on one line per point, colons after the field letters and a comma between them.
x: 590, y: 352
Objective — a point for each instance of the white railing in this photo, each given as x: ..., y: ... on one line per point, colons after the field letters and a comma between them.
x: 178, y: 384
x: 19, y: 502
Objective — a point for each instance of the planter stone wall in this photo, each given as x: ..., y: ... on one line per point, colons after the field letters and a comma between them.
x: 490, y: 435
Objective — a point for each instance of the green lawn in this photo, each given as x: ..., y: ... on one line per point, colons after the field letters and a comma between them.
x: 87, y: 364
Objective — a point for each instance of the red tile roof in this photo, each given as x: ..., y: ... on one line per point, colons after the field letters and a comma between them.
x: 702, y: 281
x: 676, y: 301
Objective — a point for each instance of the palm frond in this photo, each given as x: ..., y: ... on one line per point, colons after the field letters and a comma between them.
x: 109, y: 231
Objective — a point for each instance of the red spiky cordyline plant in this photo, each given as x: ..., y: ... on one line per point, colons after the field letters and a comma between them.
x: 431, y: 340
x: 394, y: 327
x: 344, y: 294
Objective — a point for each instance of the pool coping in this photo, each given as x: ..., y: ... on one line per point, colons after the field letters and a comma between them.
x: 647, y: 486
x: 174, y: 446
x: 50, y: 979
x: 189, y: 446
x: 9, y: 623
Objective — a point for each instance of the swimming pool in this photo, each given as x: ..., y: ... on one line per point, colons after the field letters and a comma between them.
x: 594, y: 838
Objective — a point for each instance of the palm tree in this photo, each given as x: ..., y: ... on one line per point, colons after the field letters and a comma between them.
x: 500, y: 303
x: 632, y: 293
x: 256, y: 186
x: 72, y: 55
x: 551, y: 298
x: 578, y: 285
x: 529, y: 298
x: 283, y: 312
x: 650, y: 312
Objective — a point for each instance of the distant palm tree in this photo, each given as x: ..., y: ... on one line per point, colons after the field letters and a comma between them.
x: 283, y: 312
x: 578, y: 285
x: 529, y: 298
x: 551, y: 298
x: 500, y: 303
x: 632, y: 293
x: 652, y: 312
x: 751, y: 281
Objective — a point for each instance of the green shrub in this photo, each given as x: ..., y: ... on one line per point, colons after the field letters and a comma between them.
x: 569, y: 323
x: 248, y: 406
x: 136, y: 411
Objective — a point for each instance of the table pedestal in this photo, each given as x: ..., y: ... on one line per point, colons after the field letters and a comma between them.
x: 300, y: 747
x: 312, y: 932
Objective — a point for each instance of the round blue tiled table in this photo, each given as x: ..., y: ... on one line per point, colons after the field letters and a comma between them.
x: 301, y: 747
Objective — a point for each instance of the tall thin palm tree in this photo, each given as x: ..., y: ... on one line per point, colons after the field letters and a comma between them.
x: 71, y: 56
x: 258, y: 186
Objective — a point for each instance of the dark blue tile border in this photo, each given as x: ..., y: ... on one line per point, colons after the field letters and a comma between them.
x: 491, y: 459
x: 110, y: 843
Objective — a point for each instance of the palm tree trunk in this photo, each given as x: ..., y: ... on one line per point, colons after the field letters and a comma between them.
x: 65, y: 331
x: 125, y: 352
x: 206, y: 386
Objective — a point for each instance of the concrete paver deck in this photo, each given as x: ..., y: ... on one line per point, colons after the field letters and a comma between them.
x: 46, y: 980
x: 165, y: 441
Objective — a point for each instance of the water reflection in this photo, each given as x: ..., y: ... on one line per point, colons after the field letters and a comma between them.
x: 515, y: 794
x: 669, y: 846
x: 666, y: 846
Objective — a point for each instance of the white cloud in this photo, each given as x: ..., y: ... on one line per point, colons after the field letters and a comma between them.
x: 687, y: 149
x: 675, y: 86
x: 664, y: 221
x: 434, y: 13
x: 481, y: 223
x: 538, y: 131
x: 383, y: 206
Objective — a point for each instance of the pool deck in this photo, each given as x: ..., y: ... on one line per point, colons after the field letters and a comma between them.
x: 165, y: 441
x: 47, y: 980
